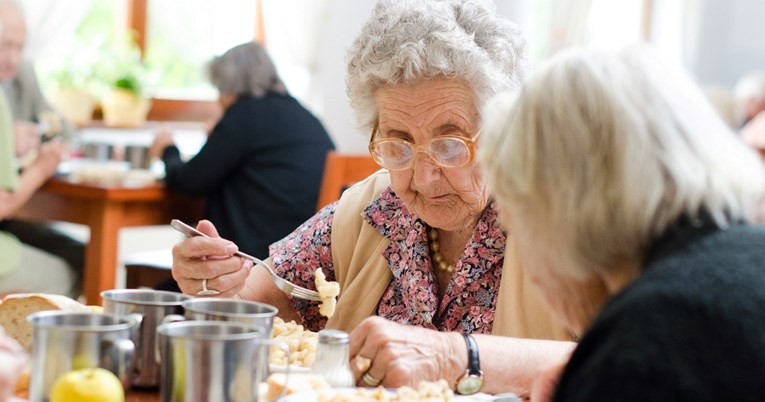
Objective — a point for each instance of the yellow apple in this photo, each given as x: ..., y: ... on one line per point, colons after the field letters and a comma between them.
x: 87, y: 385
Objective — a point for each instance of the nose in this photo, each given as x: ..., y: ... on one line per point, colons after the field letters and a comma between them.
x: 424, y: 167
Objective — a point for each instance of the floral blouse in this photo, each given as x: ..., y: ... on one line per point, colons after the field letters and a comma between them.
x: 469, y: 302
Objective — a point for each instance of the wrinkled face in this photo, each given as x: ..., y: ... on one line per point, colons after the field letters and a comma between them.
x: 13, y: 35
x: 445, y: 198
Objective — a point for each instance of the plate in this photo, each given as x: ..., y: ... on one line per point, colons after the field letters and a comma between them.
x: 313, y: 396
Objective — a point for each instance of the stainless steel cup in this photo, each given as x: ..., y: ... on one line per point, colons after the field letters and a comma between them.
x: 212, y: 361
x: 138, y: 156
x: 100, y: 151
x: 244, y: 311
x: 64, y: 341
x: 256, y: 314
x: 147, y: 307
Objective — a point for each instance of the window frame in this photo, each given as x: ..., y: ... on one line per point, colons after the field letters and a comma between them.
x: 177, y: 109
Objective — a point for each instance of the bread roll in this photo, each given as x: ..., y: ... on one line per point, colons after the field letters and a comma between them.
x: 298, y: 382
x: 15, y: 308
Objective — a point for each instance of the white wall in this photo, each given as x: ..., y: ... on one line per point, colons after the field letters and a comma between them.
x: 345, y: 20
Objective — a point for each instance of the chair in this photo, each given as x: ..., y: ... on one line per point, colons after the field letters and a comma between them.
x: 342, y: 171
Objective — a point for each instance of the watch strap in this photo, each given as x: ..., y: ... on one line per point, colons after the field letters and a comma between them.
x: 474, y: 363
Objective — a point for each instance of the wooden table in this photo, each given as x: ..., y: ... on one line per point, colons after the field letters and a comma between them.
x: 105, y: 209
x: 134, y: 395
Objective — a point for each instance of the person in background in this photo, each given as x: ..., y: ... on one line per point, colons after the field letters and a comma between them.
x: 750, y: 97
x: 611, y: 168
x: 26, y: 102
x: 425, y: 271
x: 24, y: 268
x: 12, y: 358
x: 262, y: 164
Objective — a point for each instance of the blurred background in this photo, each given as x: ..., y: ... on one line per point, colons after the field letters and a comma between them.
x: 160, y: 47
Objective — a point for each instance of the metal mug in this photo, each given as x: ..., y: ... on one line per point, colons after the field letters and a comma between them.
x: 147, y: 307
x: 65, y: 340
x: 260, y: 315
x: 219, y: 309
x: 138, y: 156
x: 213, y: 361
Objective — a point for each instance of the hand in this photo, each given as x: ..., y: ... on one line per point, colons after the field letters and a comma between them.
x: 198, y: 258
x: 26, y: 137
x: 12, y: 359
x: 163, y: 138
x: 397, y: 355
x: 50, y: 156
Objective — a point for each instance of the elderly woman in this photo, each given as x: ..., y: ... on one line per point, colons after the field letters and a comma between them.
x: 261, y: 166
x: 417, y: 243
x: 611, y: 169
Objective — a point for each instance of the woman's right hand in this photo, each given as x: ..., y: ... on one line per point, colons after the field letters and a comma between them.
x: 198, y: 258
x: 51, y: 154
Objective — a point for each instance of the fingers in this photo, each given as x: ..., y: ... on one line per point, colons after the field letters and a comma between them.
x: 207, y: 228
x: 392, y: 355
x: 198, y: 258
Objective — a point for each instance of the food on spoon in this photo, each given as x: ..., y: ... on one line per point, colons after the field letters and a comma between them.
x: 328, y: 291
x: 302, y: 344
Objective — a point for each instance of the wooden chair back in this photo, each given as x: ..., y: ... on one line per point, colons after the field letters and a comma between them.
x: 342, y: 171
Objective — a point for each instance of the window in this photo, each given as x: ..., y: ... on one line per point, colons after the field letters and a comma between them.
x: 167, y: 42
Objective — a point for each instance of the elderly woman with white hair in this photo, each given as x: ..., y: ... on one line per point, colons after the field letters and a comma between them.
x: 611, y: 170
x: 417, y: 244
x: 261, y: 166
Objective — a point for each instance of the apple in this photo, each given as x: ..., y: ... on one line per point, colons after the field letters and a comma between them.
x: 87, y: 385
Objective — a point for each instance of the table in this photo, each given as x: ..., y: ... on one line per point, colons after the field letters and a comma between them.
x: 134, y: 395
x: 105, y: 210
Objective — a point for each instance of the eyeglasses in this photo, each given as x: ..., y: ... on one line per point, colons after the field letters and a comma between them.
x: 449, y: 151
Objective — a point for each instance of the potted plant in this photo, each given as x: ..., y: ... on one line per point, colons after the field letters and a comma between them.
x: 124, y: 103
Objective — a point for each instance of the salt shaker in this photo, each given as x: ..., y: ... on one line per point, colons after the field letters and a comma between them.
x: 332, y: 358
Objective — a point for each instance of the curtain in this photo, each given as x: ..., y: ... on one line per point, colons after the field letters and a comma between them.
x: 51, y: 23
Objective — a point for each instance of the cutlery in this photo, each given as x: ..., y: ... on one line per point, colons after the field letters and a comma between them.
x: 283, y: 284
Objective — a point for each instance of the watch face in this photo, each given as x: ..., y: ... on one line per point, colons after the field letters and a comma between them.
x: 469, y: 384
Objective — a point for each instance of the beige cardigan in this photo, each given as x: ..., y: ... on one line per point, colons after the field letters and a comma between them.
x: 364, y: 274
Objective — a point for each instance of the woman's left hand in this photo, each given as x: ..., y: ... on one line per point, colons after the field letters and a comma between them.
x: 163, y: 138
x: 392, y: 355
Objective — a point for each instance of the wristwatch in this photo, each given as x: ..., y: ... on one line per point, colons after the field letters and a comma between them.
x: 472, y: 381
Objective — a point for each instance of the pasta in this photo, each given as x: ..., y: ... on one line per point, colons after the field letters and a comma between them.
x: 328, y: 292
x: 302, y: 344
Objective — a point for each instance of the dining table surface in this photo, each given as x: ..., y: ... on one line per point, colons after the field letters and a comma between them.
x: 105, y: 209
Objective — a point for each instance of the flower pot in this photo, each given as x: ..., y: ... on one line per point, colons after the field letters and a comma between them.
x: 76, y: 105
x: 124, y: 109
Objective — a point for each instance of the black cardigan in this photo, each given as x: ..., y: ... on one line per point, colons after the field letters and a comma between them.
x: 260, y: 170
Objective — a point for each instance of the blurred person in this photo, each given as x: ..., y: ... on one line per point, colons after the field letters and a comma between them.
x: 25, y: 268
x: 261, y: 166
x: 612, y: 170
x: 417, y: 244
x: 750, y: 97
x: 12, y: 359
x: 26, y: 102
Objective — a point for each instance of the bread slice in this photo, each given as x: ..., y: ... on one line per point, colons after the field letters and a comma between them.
x: 15, y: 308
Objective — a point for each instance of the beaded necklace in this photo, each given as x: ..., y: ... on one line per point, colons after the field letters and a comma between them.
x: 435, y: 249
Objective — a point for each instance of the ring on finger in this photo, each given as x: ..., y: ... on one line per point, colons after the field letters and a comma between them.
x: 205, y: 291
x: 370, y: 380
